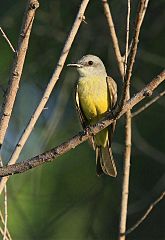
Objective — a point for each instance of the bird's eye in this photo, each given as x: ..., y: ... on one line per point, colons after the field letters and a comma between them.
x: 90, y: 63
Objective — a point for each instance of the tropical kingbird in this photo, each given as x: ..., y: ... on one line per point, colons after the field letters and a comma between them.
x: 96, y: 94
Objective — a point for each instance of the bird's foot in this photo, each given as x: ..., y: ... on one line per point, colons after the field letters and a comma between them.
x: 112, y: 113
x: 86, y: 132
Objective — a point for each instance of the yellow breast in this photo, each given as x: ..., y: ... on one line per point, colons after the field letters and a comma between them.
x: 93, y: 96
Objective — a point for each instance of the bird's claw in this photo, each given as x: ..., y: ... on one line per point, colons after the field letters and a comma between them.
x: 86, y: 132
x: 112, y: 113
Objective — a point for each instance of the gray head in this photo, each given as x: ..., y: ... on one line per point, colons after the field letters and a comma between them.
x: 89, y: 65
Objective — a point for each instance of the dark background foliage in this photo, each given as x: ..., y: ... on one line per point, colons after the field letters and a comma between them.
x: 65, y: 200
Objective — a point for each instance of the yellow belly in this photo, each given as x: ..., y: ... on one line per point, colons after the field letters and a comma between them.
x: 93, y: 96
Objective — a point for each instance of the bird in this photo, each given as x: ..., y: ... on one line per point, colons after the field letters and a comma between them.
x: 95, y: 95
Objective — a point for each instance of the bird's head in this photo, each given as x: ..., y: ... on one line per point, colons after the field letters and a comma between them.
x: 89, y: 65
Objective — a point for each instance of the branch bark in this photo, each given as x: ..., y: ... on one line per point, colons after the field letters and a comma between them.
x: 7, y: 40
x: 148, y: 104
x: 6, y: 213
x: 128, y: 135
x: 125, y: 96
x: 8, y: 236
x: 112, y: 31
x: 83, y: 135
x: 152, y: 205
x: 17, y: 67
x: 27, y: 131
x: 133, y: 51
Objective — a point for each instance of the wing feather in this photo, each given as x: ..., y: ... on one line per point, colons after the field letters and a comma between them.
x: 112, y: 89
x: 83, y: 119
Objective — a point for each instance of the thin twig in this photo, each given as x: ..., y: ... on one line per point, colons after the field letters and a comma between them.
x: 144, y: 10
x: 125, y: 97
x: 140, y: 15
x: 2, y: 233
x: 81, y: 136
x: 148, y: 104
x: 7, y: 40
x: 6, y: 214
x: 3, y: 221
x: 152, y: 205
x: 128, y: 134
x: 127, y: 37
x: 129, y: 49
x: 141, y: 20
x: 17, y: 67
x: 50, y: 86
x: 116, y: 48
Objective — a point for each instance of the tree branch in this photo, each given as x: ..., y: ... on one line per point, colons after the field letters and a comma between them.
x: 83, y: 135
x: 128, y: 134
x: 141, y: 21
x: 144, y: 11
x: 148, y: 104
x: 125, y: 96
x: 2, y: 231
x: 7, y: 40
x: 116, y: 48
x: 17, y: 67
x: 135, y: 40
x: 152, y: 205
x: 50, y: 86
x: 6, y: 213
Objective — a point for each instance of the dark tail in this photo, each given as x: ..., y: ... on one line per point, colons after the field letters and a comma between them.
x: 105, y: 162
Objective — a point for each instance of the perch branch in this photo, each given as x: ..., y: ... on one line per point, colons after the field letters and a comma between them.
x: 49, y: 88
x: 17, y: 67
x: 152, y: 205
x: 83, y: 135
x: 7, y: 40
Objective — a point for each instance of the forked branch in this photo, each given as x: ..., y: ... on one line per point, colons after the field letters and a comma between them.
x: 27, y: 131
x: 81, y: 136
x: 125, y: 96
x: 17, y: 67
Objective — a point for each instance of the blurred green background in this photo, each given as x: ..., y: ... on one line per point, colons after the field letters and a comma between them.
x: 65, y: 200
